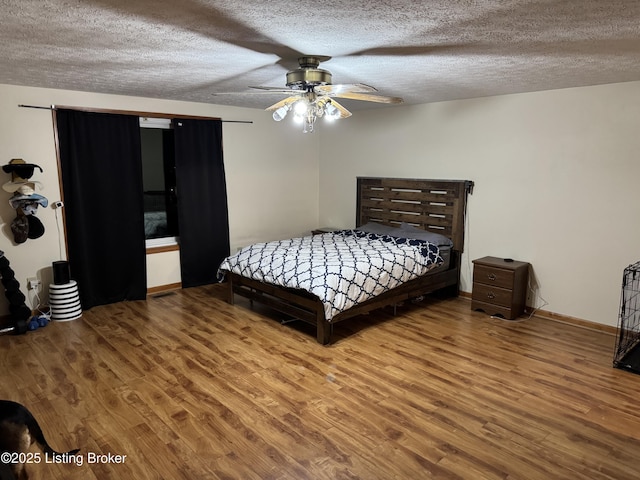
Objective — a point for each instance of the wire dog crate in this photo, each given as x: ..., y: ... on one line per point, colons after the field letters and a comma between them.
x: 627, y: 354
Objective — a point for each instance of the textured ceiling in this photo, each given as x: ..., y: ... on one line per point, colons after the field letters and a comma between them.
x: 423, y: 51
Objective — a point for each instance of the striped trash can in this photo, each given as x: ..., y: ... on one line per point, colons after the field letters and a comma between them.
x: 64, y: 300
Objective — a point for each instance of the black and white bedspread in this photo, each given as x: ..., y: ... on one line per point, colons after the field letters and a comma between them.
x: 341, y: 268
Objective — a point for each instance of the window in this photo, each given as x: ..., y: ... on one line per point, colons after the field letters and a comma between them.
x: 159, y: 181
x: 114, y: 228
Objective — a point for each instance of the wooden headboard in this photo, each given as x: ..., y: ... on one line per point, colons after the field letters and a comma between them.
x: 433, y: 205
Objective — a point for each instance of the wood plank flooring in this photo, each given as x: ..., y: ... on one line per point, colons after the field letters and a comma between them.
x: 189, y: 387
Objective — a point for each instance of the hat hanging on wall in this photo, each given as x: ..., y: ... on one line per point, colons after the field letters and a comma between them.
x: 12, y: 187
x: 18, y: 168
x: 24, y: 200
x: 26, y: 226
x: 36, y: 228
x: 20, y: 229
x: 21, y: 172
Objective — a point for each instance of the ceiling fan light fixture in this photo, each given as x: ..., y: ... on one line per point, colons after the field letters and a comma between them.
x: 301, y: 107
x: 280, y: 113
x: 331, y: 112
x: 307, y: 110
x: 312, y: 92
x: 308, y: 124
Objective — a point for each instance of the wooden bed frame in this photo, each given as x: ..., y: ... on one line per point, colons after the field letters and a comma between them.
x: 432, y: 205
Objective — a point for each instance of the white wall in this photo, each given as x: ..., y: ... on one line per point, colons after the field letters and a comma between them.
x: 272, y: 175
x: 556, y: 182
x: 555, y: 176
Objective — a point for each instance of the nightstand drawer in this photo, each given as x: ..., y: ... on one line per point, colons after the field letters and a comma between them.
x: 492, y: 294
x: 491, y: 309
x: 493, y: 276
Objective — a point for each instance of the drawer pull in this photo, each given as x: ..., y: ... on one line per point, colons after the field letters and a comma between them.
x: 491, y: 295
x: 491, y: 276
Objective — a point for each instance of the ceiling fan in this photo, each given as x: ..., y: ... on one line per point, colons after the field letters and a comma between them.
x: 312, y: 95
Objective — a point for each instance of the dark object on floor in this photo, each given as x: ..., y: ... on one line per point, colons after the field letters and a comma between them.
x: 17, y: 308
x: 18, y: 328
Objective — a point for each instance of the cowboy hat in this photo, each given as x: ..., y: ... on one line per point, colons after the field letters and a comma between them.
x: 18, y: 168
x: 14, y: 186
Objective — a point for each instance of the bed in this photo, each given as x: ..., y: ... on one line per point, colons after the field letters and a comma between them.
x: 391, y: 213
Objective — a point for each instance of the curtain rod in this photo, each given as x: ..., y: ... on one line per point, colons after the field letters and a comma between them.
x: 53, y: 107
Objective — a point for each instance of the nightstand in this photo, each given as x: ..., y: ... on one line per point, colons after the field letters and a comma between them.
x: 499, y: 287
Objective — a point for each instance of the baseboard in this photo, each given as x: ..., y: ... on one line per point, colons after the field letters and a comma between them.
x: 558, y: 317
x: 164, y: 288
x: 578, y: 322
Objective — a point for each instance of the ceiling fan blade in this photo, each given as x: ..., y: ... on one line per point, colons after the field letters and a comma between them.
x: 333, y: 90
x: 417, y: 50
x: 368, y: 97
x: 344, y: 113
x: 273, y: 89
x: 283, y: 103
x: 260, y: 91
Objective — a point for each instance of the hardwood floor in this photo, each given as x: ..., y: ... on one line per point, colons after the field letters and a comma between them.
x: 189, y: 387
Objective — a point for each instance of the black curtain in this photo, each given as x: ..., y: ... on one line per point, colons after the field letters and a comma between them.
x: 202, y: 200
x: 104, y: 215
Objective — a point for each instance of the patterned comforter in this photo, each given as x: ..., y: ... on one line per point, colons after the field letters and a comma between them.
x: 341, y: 268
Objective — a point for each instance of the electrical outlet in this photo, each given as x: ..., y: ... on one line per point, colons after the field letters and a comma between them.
x: 33, y: 283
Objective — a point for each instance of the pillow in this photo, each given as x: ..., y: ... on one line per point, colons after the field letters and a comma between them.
x: 410, y: 231
x: 380, y: 229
